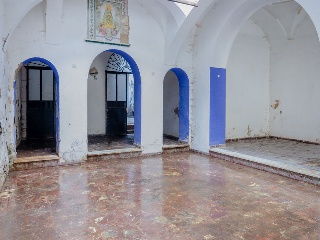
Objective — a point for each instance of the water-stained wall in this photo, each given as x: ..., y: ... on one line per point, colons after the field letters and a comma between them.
x: 248, y: 74
x: 295, y: 85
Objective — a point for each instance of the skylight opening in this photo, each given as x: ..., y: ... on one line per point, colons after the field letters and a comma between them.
x: 186, y: 5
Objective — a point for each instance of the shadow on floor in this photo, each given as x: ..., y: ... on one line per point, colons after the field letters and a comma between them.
x: 30, y: 148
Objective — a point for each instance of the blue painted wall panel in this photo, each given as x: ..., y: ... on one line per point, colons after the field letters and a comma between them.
x: 217, y: 106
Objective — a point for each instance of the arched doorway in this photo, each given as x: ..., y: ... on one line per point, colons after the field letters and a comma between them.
x: 114, y: 102
x: 270, y: 93
x: 119, y: 97
x: 36, y: 107
x: 175, y: 107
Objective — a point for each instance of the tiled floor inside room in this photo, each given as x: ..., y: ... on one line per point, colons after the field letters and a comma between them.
x: 104, y: 142
x: 173, y: 196
x: 33, y: 148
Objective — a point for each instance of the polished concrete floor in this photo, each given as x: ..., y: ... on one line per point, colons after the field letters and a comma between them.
x: 174, y: 196
x: 286, y: 154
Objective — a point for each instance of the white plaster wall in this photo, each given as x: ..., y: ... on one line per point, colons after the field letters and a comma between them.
x: 7, y: 136
x: 248, y: 74
x: 4, y: 161
x: 170, y: 105
x: 73, y: 58
x: 97, y: 96
x: 200, y: 87
x: 295, y: 85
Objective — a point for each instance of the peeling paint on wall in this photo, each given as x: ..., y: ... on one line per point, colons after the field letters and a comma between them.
x: 6, y: 153
x: 276, y: 104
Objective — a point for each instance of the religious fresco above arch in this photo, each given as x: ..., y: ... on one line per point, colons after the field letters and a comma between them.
x: 108, y: 21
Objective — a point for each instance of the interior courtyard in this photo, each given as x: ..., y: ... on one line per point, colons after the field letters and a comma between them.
x: 160, y: 119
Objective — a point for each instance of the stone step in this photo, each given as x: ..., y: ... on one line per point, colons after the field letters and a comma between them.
x: 115, y: 153
x: 173, y: 148
x: 26, y: 163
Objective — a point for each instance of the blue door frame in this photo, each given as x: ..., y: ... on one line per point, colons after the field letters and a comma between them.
x: 137, y: 93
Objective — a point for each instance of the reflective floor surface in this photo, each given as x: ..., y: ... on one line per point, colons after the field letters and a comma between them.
x: 174, y: 196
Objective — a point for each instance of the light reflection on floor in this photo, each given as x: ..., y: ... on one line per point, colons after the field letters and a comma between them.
x: 174, y: 196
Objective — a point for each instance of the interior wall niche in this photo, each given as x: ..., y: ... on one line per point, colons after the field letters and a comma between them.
x: 171, y: 105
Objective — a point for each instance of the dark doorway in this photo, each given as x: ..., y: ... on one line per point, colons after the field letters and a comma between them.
x: 116, y: 130
x: 116, y: 112
x: 35, y: 113
x: 118, y: 109
x: 40, y: 103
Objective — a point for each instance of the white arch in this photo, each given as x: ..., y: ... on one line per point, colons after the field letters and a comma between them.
x: 225, y: 19
x: 312, y: 8
x: 219, y: 43
x: 174, y: 44
x: 17, y: 14
x: 169, y: 18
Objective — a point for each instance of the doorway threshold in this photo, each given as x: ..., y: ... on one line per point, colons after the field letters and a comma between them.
x: 173, y: 145
x: 32, y: 162
x: 114, y: 153
x: 174, y: 148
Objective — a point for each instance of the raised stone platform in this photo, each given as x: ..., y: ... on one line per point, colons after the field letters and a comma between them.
x: 26, y: 163
x: 297, y: 160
